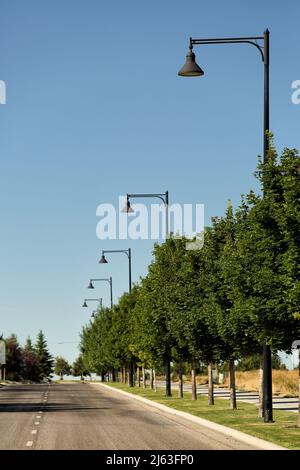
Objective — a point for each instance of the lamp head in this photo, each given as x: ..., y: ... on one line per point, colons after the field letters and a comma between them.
x: 90, y: 286
x: 190, y: 68
x: 127, y: 208
x: 84, y: 304
x: 103, y: 259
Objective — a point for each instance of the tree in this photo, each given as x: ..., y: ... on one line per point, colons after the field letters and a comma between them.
x: 45, y: 359
x: 79, y: 368
x: 30, y: 362
x: 262, y: 270
x: 252, y: 362
x: 14, y: 363
x: 62, y: 367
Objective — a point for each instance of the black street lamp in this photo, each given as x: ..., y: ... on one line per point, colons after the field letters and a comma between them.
x: 92, y: 300
x: 109, y: 280
x: 163, y: 196
x: 127, y: 253
x: 192, y: 69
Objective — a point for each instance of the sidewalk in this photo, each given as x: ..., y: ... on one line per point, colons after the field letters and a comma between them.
x: 280, y: 403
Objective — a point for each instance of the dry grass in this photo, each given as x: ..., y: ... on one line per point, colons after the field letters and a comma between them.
x: 285, y: 382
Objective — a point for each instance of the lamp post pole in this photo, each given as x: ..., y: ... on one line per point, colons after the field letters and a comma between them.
x: 127, y: 253
x: 192, y: 69
x: 109, y: 280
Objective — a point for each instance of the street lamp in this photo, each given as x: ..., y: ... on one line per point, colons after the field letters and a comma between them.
x: 126, y: 252
x: 109, y: 280
x: 163, y: 196
x: 94, y: 312
x: 192, y: 69
x: 92, y: 300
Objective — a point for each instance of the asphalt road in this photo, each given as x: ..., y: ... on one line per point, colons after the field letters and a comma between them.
x: 89, y: 417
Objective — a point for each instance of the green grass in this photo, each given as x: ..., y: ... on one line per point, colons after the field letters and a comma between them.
x: 283, y: 431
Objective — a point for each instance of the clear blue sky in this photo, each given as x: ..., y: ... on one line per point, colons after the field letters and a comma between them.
x: 95, y: 109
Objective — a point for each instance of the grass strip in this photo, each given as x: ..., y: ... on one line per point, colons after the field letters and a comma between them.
x: 283, y: 431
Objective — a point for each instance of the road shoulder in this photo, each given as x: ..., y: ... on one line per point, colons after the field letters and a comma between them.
x: 238, y: 435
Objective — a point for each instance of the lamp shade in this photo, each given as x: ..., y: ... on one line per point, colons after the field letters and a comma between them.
x: 90, y: 286
x: 190, y: 68
x: 127, y: 208
x: 84, y: 304
x: 103, y: 259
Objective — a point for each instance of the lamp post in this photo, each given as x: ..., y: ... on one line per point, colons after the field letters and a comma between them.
x: 109, y: 280
x: 192, y: 69
x: 92, y: 300
x: 163, y: 196
x: 127, y: 253
x: 104, y: 260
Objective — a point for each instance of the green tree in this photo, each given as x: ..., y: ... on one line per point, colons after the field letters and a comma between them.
x: 79, y: 368
x: 61, y: 367
x: 14, y: 362
x: 45, y: 359
x: 252, y: 362
x: 30, y: 362
x: 262, y: 272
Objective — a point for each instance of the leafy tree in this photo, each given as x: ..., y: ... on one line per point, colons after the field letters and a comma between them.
x: 253, y: 362
x: 30, y: 362
x: 62, y: 367
x: 45, y: 359
x: 79, y: 368
x: 14, y: 363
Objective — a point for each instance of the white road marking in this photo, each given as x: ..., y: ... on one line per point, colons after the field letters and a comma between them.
x: 36, y: 423
x: 38, y: 417
x: 34, y: 431
x: 29, y: 443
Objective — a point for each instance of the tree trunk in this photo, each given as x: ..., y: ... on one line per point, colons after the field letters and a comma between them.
x: 128, y: 377
x: 232, y: 385
x: 168, y: 379
x: 151, y: 379
x: 194, y: 383
x: 210, y: 385
x: 154, y: 380
x: 180, y: 380
x: 138, y: 376
x: 61, y: 377
x: 144, y: 377
x: 131, y: 374
x: 261, y: 388
x: 217, y: 374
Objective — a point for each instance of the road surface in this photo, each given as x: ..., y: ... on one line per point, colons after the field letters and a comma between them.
x: 73, y: 416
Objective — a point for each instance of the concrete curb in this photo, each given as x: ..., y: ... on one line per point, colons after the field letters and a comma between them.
x: 238, y: 435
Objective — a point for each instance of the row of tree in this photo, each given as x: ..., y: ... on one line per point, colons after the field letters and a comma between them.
x: 77, y: 369
x: 218, y: 304
x: 32, y: 362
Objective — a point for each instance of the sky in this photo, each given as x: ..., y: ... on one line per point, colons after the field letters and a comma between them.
x: 95, y: 109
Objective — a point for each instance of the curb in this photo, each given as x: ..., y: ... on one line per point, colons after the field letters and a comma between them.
x: 238, y: 435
